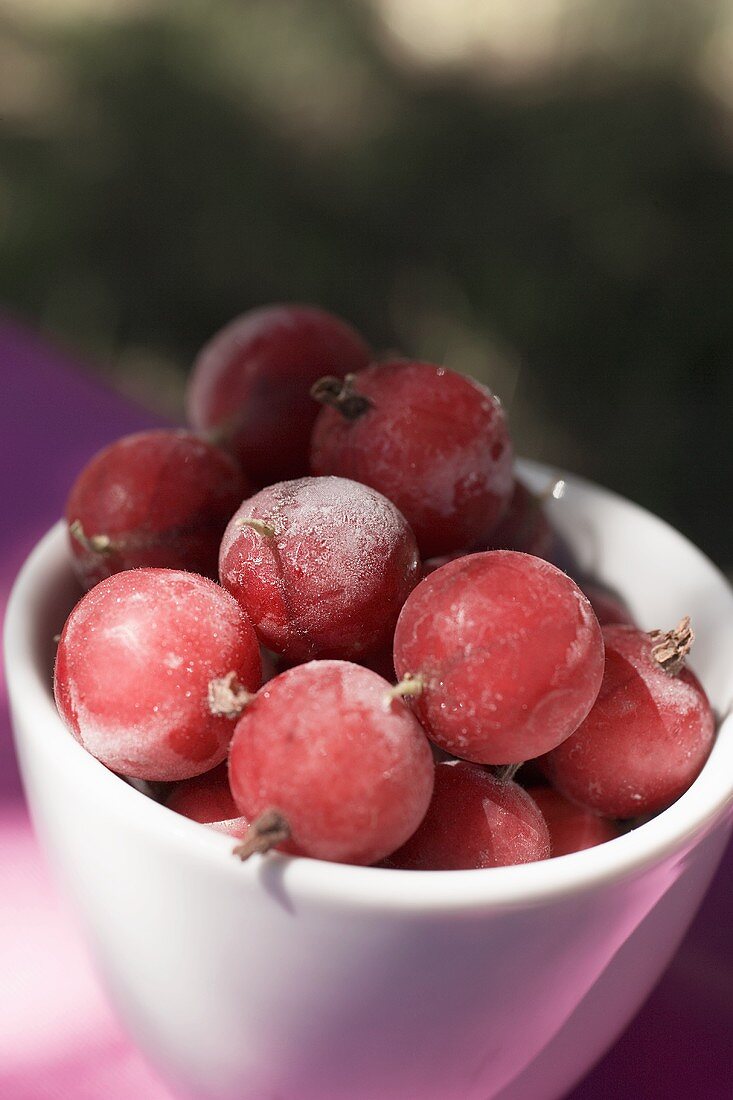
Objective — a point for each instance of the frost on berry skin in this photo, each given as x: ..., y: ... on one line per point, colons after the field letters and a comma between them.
x: 208, y: 799
x: 350, y: 772
x: 474, y: 820
x: 159, y: 498
x: 572, y: 828
x: 134, y: 667
x: 509, y: 652
x: 646, y: 738
x: 251, y: 384
x: 434, y: 442
x: 324, y: 570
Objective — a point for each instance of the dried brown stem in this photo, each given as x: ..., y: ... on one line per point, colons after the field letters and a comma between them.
x: 341, y: 395
x: 265, y: 832
x: 227, y: 697
x: 672, y: 646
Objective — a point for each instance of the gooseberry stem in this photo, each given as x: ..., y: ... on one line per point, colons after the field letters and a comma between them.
x: 342, y: 396
x: 506, y: 772
x: 265, y: 832
x: 672, y: 646
x: 408, y: 685
x: 227, y: 697
x: 260, y: 526
x: 97, y: 544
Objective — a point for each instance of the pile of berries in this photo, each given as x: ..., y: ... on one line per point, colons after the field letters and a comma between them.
x: 352, y: 533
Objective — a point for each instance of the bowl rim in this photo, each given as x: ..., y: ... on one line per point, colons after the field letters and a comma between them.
x: 42, y: 731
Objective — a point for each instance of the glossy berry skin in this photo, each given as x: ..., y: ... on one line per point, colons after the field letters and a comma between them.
x: 572, y: 828
x: 430, y: 565
x: 251, y: 384
x: 608, y: 605
x: 509, y: 652
x: 208, y: 799
x: 331, y: 578
x: 434, y: 442
x: 133, y: 668
x: 161, y: 498
x: 474, y: 820
x: 645, y: 740
x: 351, y: 772
x: 524, y: 526
x: 381, y: 662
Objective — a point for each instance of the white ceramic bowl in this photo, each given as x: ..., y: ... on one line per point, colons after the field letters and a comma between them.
x: 299, y: 980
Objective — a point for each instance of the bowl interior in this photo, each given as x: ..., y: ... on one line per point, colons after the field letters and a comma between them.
x: 659, y: 572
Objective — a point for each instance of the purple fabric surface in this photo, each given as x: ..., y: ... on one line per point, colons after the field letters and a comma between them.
x: 54, y: 417
x: 681, y: 1043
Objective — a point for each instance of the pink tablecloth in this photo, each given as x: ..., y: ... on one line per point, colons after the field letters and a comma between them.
x: 58, y: 1038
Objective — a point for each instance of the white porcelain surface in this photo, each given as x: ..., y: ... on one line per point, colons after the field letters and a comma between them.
x: 297, y: 980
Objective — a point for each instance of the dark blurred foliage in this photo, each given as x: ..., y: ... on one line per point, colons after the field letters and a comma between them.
x: 567, y: 235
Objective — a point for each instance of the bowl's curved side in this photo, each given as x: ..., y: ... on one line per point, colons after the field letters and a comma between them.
x: 662, y: 575
x: 309, y: 980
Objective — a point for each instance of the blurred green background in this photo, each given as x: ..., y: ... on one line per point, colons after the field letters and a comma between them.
x: 539, y: 193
